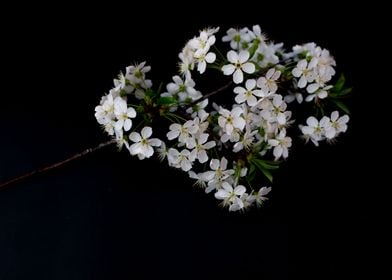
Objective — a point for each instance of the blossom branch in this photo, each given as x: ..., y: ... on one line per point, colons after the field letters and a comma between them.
x: 56, y: 165
x: 212, y: 93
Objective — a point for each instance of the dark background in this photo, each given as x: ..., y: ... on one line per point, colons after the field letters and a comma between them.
x: 110, y: 216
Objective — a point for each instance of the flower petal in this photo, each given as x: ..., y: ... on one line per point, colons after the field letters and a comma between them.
x: 146, y: 132
x: 232, y: 56
x: 228, y: 69
x: 248, y: 67
x: 135, y: 137
x: 238, y: 76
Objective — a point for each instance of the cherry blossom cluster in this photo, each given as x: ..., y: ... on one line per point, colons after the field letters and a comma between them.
x: 229, y: 149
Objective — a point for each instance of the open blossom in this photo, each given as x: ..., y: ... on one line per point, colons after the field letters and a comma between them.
x: 315, y: 130
x: 218, y: 174
x: 143, y: 146
x: 231, y: 196
x: 268, y: 83
x: 305, y: 71
x: 249, y: 93
x: 229, y: 120
x: 237, y: 37
x: 183, y: 159
x: 339, y: 124
x: 201, y: 147
x: 182, y: 89
x: 238, y: 64
x: 123, y: 114
x: 185, y: 133
x: 281, y: 145
x: 260, y: 197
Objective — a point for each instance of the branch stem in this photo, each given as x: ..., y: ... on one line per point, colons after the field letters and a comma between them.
x: 56, y: 165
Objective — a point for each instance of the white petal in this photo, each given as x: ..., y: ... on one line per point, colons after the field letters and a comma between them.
x: 127, y: 124
x: 259, y: 93
x: 334, y: 115
x: 307, y: 130
x: 296, y: 72
x: 323, y: 94
x: 209, y: 145
x: 273, y: 142
x: 186, y: 165
x: 228, y: 69
x: 201, y: 67
x: 148, y: 151
x: 270, y: 72
x: 239, y: 123
x: 238, y: 76
x: 312, y: 88
x: 135, y: 137
x: 119, y: 124
x: 239, y: 90
x: 202, y: 156
x: 214, y: 164
x: 146, y: 132
x: 136, y: 148
x: 252, y: 101
x: 302, y: 82
x: 344, y: 119
x: 223, y: 164
x: 172, y: 134
x: 243, y: 56
x: 240, y: 98
x: 232, y: 56
x: 227, y: 187
x: 250, y: 84
x: 239, y: 190
x: 131, y: 112
x: 330, y: 133
x: 276, y: 75
x: 312, y: 121
x: 248, y: 67
x: 210, y: 57
x: 221, y: 194
x: 278, y: 150
x: 208, y: 176
x: 310, y: 97
x: 281, y: 118
x: 154, y: 142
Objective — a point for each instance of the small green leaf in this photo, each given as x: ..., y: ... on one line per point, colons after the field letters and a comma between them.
x: 254, y: 48
x: 339, y: 84
x: 166, y: 100
x: 251, y: 174
x: 341, y: 105
x: 264, y: 170
x: 267, y: 164
x: 151, y: 94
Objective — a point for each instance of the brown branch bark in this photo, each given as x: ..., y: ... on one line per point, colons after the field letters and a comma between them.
x: 55, y: 165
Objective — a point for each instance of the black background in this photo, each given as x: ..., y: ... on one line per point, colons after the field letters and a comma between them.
x: 110, y: 216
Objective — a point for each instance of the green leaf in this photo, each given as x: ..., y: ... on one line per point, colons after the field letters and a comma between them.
x: 341, y: 105
x: 345, y: 92
x: 166, y: 100
x: 251, y: 174
x: 339, y: 84
x: 264, y: 170
x: 267, y: 164
x: 254, y: 48
x: 150, y: 93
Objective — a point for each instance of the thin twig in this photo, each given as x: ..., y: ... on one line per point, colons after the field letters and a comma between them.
x: 56, y: 165
x: 222, y: 88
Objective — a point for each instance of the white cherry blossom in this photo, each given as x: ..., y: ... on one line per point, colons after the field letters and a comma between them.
x: 238, y: 64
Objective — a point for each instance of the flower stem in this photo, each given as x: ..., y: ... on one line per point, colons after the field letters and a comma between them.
x: 222, y: 88
x: 56, y: 165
